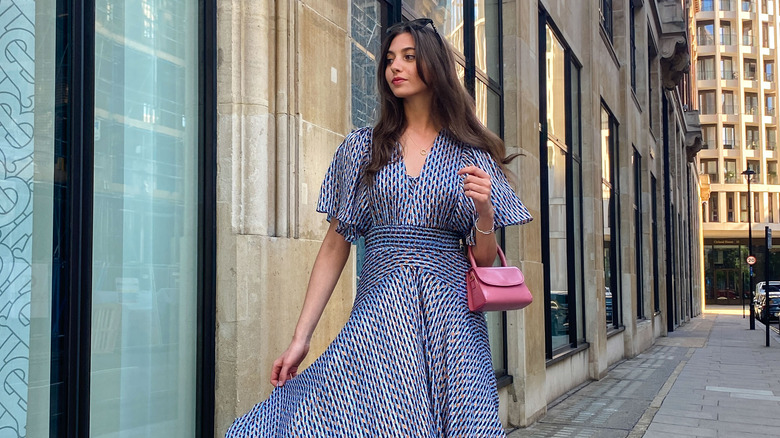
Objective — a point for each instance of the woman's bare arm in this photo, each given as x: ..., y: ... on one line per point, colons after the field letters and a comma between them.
x: 328, y: 265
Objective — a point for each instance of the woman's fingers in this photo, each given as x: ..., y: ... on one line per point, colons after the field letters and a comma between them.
x: 277, y: 368
x: 284, y: 375
x: 473, y: 170
x: 477, y: 185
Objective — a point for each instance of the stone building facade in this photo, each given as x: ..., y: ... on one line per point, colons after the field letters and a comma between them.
x: 595, y: 98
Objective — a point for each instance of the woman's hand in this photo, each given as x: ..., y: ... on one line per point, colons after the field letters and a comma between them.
x: 286, y: 366
x: 477, y: 186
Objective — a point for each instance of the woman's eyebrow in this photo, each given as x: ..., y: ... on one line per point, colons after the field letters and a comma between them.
x: 405, y: 49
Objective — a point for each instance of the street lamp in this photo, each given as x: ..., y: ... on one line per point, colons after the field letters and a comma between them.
x: 749, y: 174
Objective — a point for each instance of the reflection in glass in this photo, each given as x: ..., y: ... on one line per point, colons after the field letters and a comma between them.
x: 487, y: 37
x: 556, y: 86
x: 606, y: 200
x: 366, y: 30
x: 446, y: 14
x: 557, y: 154
x: 556, y: 187
x: 461, y: 71
x: 576, y: 187
x: 145, y: 219
x: 488, y: 107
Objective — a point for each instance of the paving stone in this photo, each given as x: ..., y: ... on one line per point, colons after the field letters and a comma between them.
x: 654, y: 434
x: 682, y: 430
x: 680, y: 421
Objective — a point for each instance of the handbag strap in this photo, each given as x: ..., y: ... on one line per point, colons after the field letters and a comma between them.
x: 500, y: 255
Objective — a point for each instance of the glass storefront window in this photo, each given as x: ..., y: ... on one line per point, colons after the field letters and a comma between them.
x: 366, y: 33
x: 557, y: 151
x: 144, y: 318
x: 448, y: 17
x: 487, y: 38
x: 610, y: 218
x: 27, y: 185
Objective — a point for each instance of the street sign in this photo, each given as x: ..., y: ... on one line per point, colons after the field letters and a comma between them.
x: 751, y: 260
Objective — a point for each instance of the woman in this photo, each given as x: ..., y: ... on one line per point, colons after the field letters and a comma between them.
x: 411, y: 361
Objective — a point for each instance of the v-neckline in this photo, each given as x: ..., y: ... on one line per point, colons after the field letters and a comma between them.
x: 425, y: 160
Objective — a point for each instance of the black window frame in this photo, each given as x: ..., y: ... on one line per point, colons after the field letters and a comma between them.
x: 605, y: 19
x: 573, y: 158
x: 614, y: 220
x: 638, y: 230
x: 632, y: 42
x: 71, y: 335
x: 656, y: 244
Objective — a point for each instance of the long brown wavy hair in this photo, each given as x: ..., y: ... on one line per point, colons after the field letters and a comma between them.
x: 453, y: 107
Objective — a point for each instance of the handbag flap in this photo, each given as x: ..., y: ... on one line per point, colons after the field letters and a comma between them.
x: 499, y: 275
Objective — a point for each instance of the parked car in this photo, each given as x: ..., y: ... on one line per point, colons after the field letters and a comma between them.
x: 772, y: 309
x: 760, y: 297
x: 559, y: 310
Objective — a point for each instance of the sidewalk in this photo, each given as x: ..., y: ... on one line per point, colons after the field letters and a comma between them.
x: 710, y: 378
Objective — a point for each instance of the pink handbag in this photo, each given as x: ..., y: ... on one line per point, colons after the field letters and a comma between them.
x: 496, y: 287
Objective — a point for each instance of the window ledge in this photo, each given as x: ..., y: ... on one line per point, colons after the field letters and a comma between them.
x: 636, y: 101
x: 504, y: 381
x: 567, y: 353
x: 610, y: 47
x: 611, y: 331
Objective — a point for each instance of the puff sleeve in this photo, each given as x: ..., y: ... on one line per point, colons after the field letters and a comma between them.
x: 508, y: 209
x: 342, y: 195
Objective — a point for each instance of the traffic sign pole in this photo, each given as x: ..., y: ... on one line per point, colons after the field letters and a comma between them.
x: 767, y: 270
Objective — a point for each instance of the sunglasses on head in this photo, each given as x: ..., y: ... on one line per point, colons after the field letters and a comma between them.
x: 413, y: 24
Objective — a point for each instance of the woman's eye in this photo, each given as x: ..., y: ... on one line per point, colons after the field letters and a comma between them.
x: 389, y: 61
x: 409, y: 57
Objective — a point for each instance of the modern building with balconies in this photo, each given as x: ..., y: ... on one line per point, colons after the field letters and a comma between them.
x: 734, y: 46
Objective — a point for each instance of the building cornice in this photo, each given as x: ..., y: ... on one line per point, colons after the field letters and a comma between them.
x: 673, y: 50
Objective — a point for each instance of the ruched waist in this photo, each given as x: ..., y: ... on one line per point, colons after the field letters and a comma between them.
x: 413, y: 237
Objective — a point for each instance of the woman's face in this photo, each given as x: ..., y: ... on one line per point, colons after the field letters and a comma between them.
x: 401, y: 68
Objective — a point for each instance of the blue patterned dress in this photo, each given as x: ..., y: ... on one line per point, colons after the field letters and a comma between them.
x: 411, y: 361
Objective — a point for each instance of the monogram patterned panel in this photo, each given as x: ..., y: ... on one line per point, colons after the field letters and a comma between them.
x: 17, y: 67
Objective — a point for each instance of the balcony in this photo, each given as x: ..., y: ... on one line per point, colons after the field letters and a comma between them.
x: 730, y: 109
x: 748, y: 40
x: 770, y: 145
x: 726, y: 5
x: 728, y: 38
x: 705, y: 75
x: 730, y: 144
x: 751, y: 110
x: 751, y: 145
x: 769, y: 77
x: 705, y: 40
x: 769, y: 111
x: 748, y: 6
x: 730, y: 177
x: 729, y: 74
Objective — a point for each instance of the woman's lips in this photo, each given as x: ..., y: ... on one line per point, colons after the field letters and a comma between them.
x: 397, y: 81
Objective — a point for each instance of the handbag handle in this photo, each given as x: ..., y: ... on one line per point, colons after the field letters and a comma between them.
x: 500, y: 255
